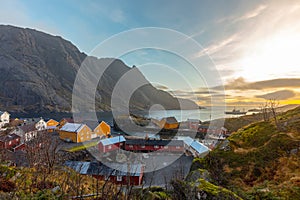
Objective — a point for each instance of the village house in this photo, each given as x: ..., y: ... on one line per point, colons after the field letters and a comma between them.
x: 4, y: 118
x: 198, y: 149
x: 203, y: 129
x: 111, y: 144
x: 9, y: 141
x: 102, y: 130
x: 51, y: 125
x: 193, y: 124
x: 15, y: 122
x: 168, y: 123
x: 154, y: 145
x: 26, y: 132
x: 41, y: 125
x: 118, y: 173
x: 186, y: 140
x: 73, y: 132
x: 63, y: 121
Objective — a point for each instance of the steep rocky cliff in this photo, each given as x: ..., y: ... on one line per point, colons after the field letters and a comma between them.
x: 37, y: 73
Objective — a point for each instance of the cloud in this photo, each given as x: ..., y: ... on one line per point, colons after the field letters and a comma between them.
x: 241, y: 84
x: 160, y: 87
x: 251, y: 14
x: 258, y: 10
x: 255, y: 26
x: 219, y: 46
x: 278, y: 95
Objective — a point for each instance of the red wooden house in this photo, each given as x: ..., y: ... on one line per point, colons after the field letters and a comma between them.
x: 111, y: 144
x: 118, y: 173
x: 9, y: 141
x: 203, y: 129
x: 154, y: 145
x: 193, y: 124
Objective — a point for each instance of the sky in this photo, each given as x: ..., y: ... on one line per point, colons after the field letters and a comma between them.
x: 250, y: 46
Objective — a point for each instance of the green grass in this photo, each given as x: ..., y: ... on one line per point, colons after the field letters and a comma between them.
x: 254, y: 135
x: 82, y: 146
x: 257, y: 155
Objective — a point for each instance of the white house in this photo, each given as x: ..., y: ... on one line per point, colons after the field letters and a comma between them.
x: 4, y: 118
x: 41, y: 125
x: 26, y: 132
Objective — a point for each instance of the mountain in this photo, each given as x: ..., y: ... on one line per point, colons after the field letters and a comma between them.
x: 38, y: 71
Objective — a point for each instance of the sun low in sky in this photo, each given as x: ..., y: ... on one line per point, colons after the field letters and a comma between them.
x: 254, y: 45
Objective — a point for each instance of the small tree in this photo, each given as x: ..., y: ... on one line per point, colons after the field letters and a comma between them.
x: 273, y: 105
x: 265, y: 111
x: 269, y: 109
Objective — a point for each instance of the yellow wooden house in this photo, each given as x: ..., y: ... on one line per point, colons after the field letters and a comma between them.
x: 73, y: 132
x: 51, y: 125
x: 103, y: 129
x: 168, y: 123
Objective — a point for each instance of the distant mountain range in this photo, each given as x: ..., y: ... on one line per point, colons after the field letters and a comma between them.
x: 37, y: 73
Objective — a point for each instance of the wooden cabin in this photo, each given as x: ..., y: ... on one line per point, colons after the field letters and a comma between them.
x: 26, y: 132
x: 111, y: 144
x: 51, y: 125
x: 9, y: 141
x: 4, y: 118
x: 198, y: 149
x: 103, y: 129
x: 117, y: 173
x: 154, y: 145
x: 168, y: 123
x: 41, y: 125
x: 193, y: 124
x: 73, y: 132
x: 203, y: 129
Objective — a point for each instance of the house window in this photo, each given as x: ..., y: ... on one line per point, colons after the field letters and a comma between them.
x: 109, y: 147
x: 17, y: 139
x: 143, y: 146
x: 119, y: 178
x: 130, y: 146
x: 156, y: 147
x: 166, y: 147
x: 106, y: 177
x: 177, y: 147
x: 9, y: 143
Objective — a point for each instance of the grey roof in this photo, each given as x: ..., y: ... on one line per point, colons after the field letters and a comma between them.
x: 170, y: 120
x: 9, y: 137
x: 113, y: 140
x: 200, y: 148
x: 28, y: 128
x: 50, y: 127
x: 80, y: 167
x: 98, y: 168
x: 72, y: 127
x: 186, y: 139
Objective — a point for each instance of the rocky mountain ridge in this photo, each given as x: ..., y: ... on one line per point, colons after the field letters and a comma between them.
x: 38, y: 71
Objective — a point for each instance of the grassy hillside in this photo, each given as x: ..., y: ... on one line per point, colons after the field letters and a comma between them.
x: 260, y: 161
x: 61, y: 183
